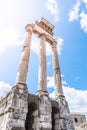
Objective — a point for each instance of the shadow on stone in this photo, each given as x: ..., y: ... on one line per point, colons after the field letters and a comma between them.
x: 30, y: 118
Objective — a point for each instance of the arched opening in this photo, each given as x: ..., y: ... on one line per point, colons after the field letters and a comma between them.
x: 32, y: 107
x: 75, y: 120
x: 54, y: 117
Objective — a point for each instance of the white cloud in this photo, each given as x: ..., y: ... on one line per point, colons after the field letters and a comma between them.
x: 64, y: 82
x: 60, y: 42
x: 48, y: 49
x: 62, y: 75
x: 85, y: 2
x: 9, y: 37
x: 74, y: 13
x: 78, y: 13
x: 77, y: 99
x: 83, y: 21
x: 49, y: 63
x: 35, y: 44
x: 4, y: 89
x: 52, y: 6
x: 50, y: 82
x: 77, y: 77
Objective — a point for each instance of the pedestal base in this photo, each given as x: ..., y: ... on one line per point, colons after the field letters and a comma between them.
x: 64, y: 117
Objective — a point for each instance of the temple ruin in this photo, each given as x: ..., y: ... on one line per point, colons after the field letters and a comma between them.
x: 20, y: 110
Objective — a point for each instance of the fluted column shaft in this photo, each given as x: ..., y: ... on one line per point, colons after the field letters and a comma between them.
x: 42, y: 79
x: 24, y: 60
x: 56, y: 71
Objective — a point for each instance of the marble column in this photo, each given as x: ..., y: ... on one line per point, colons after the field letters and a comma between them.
x: 56, y: 71
x: 42, y: 79
x: 24, y: 60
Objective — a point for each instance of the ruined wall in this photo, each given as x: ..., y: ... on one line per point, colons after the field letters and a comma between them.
x: 39, y: 113
x: 46, y: 114
x: 83, y: 126
x: 19, y: 111
x: 13, y: 109
x: 78, y: 119
x: 45, y: 111
x: 3, y: 112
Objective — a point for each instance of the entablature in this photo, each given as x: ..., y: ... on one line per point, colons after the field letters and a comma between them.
x: 39, y: 30
x: 42, y: 27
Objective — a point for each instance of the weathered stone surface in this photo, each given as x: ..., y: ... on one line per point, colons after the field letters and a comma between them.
x: 40, y: 116
x: 45, y: 111
x: 14, y: 108
x: 65, y: 120
x: 82, y: 126
x: 78, y: 119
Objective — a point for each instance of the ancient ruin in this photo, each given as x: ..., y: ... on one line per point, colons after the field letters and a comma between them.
x: 78, y: 119
x: 20, y: 110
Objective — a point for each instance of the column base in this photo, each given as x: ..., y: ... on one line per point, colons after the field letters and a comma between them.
x: 60, y: 96
x: 42, y: 93
x: 22, y: 84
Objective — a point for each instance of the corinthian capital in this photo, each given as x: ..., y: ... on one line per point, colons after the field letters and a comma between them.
x: 42, y: 35
x: 54, y: 45
x: 29, y: 28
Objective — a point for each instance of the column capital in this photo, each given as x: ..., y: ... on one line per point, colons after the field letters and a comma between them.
x: 42, y: 35
x: 54, y: 45
x: 54, y: 42
x: 29, y: 28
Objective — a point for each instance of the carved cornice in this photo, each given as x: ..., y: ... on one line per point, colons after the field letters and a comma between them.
x: 45, y: 25
x: 39, y: 30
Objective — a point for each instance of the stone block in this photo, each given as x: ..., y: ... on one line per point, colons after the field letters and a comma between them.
x: 57, y: 121
x: 17, y: 123
x: 46, y: 126
x: 56, y: 127
x: 36, y: 119
x: 56, y: 116
x: 17, y: 128
x: 35, y: 113
x: 45, y: 118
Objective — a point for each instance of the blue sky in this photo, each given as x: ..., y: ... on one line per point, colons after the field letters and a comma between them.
x: 70, y: 20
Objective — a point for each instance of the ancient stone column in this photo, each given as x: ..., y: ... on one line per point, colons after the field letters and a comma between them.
x: 56, y: 71
x: 24, y: 61
x: 42, y: 85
